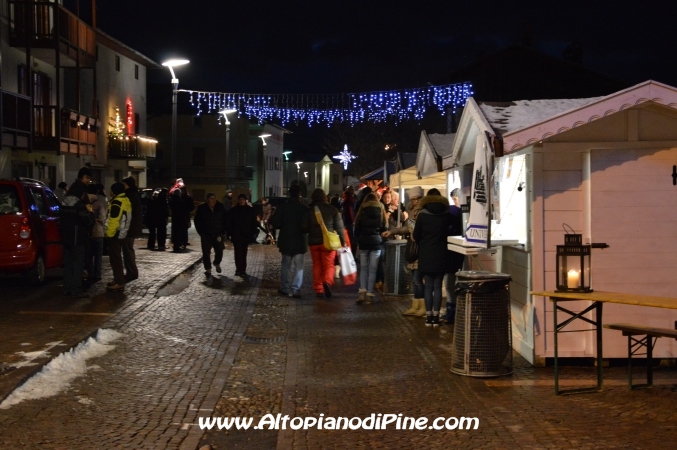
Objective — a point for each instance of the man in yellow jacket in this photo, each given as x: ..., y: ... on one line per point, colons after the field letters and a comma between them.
x: 118, y: 218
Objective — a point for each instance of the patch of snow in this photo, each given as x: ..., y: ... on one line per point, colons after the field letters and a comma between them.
x: 62, y: 370
x: 84, y: 400
x: 512, y: 116
x: 29, y: 357
x: 25, y: 344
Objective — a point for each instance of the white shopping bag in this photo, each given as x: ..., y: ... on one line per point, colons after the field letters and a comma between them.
x: 348, y: 266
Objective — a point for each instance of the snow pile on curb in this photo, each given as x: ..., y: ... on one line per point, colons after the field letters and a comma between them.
x: 58, y: 374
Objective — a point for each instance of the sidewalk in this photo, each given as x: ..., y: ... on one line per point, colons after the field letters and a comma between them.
x: 39, y: 329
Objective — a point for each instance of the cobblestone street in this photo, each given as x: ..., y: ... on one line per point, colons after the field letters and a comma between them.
x: 234, y: 347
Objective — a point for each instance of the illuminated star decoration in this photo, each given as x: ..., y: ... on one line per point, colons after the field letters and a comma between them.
x: 345, y: 157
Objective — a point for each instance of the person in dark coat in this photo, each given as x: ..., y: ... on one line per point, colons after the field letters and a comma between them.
x: 323, y: 259
x: 363, y: 194
x: 157, y: 215
x: 370, y: 223
x: 75, y: 222
x: 135, y: 229
x: 241, y: 226
x: 292, y: 242
x: 85, y: 177
x: 434, y: 260
x: 210, y: 224
x: 179, y: 223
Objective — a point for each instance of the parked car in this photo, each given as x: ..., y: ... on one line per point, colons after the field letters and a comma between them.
x: 29, y: 226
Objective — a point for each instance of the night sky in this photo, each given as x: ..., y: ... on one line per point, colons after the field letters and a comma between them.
x: 355, y: 46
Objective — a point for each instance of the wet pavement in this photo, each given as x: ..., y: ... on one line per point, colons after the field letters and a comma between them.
x: 234, y: 347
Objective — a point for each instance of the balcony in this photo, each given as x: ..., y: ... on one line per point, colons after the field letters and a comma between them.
x: 78, y: 131
x: 46, y: 26
x: 16, y: 120
x: 131, y: 147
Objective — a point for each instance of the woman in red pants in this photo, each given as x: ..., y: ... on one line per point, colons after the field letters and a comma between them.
x: 323, y: 259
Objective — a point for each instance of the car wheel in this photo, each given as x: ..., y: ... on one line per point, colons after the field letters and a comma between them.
x: 37, y: 274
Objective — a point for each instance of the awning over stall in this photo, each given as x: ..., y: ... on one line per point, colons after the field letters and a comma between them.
x: 408, y: 178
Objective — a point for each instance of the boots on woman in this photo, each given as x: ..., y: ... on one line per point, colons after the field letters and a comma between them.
x: 362, y: 297
x: 420, y: 312
x: 414, y: 307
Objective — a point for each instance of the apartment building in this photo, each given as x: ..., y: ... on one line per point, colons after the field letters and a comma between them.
x: 61, y: 81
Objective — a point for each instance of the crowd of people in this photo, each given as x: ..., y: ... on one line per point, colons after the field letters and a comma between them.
x: 89, y: 222
x: 362, y: 222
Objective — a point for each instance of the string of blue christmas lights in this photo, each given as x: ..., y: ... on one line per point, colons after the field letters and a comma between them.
x: 328, y: 108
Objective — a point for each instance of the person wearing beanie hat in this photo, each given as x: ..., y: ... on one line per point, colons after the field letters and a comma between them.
x: 75, y: 221
x: 242, y: 224
x: 415, y: 192
x: 210, y: 224
x: 80, y: 184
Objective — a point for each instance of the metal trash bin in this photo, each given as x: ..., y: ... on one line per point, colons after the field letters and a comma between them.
x: 482, y: 344
x: 397, y: 276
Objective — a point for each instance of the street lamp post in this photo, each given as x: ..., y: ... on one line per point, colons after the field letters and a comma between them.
x: 224, y: 113
x: 175, y: 90
x: 265, y: 163
x: 286, y: 154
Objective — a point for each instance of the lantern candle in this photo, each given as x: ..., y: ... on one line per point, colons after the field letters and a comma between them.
x: 572, y: 279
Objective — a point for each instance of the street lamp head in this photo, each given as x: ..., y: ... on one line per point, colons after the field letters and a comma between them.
x: 263, y: 138
x: 175, y: 62
x: 286, y: 154
x: 225, y: 112
x: 170, y: 64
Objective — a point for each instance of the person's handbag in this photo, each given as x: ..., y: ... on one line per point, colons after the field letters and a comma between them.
x: 411, y: 251
x: 331, y: 239
x: 348, y: 266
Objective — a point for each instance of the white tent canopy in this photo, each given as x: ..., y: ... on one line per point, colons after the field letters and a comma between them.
x: 408, y: 178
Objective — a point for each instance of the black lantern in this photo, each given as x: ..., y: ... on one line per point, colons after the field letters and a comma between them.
x: 573, y: 265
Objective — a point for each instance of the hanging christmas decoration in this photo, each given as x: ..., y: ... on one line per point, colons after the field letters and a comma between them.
x: 326, y: 109
x: 345, y: 157
x: 117, y: 126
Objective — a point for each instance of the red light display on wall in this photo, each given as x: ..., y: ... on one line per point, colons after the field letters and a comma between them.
x: 130, y: 118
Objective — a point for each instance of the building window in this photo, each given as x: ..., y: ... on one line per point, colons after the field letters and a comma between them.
x: 277, y: 163
x: 117, y: 63
x: 117, y: 175
x: 199, y: 156
x: 197, y: 122
x: 319, y: 180
x: 335, y: 178
x: 21, y: 79
x: 136, y: 71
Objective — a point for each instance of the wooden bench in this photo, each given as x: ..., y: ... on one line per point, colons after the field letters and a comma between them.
x: 651, y: 335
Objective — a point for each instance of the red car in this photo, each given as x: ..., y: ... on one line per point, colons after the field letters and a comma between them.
x: 29, y: 228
